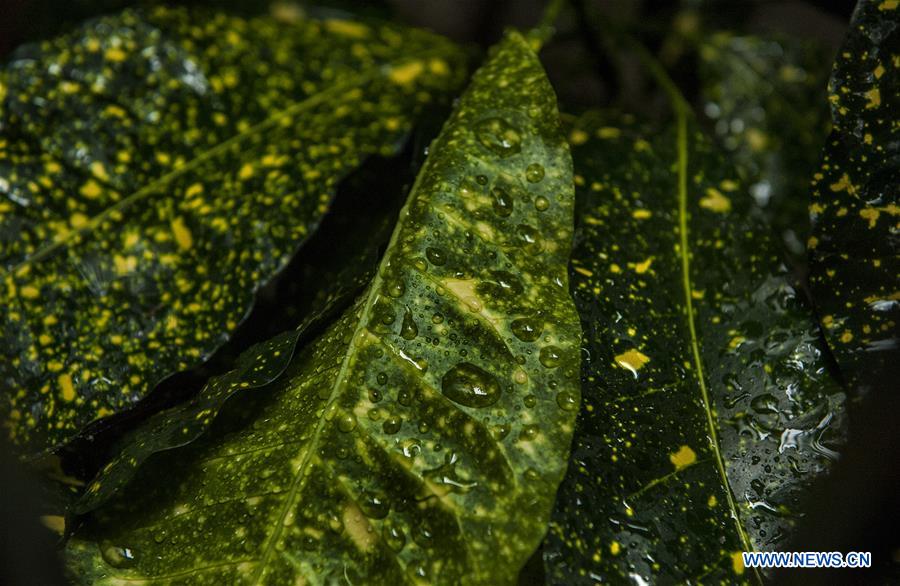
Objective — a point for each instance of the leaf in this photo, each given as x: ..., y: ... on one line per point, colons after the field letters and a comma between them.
x: 854, y: 246
x: 157, y: 168
x: 422, y: 437
x: 766, y: 100
x: 707, y: 407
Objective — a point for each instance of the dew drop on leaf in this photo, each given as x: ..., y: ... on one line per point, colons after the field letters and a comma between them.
x: 471, y: 386
x: 435, y: 256
x: 409, y: 330
x: 550, y: 356
x: 534, y: 172
x: 526, y: 329
x: 499, y: 136
x: 541, y: 203
x: 502, y: 202
x: 567, y: 401
x: 116, y: 556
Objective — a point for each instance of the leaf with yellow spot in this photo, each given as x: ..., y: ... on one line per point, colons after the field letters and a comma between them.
x: 856, y: 259
x: 378, y: 457
x: 158, y: 211
x: 689, y: 358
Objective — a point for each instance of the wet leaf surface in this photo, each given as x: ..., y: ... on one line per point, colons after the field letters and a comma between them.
x: 157, y: 167
x: 421, y: 438
x: 767, y: 102
x: 854, y: 247
x: 707, y: 409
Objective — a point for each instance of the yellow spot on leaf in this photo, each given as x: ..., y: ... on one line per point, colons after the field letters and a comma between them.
x: 737, y: 563
x: 712, y: 502
x: 55, y: 523
x: 584, y: 271
x: 45, y: 340
x: 608, y: 132
x: 874, y: 97
x: 182, y: 234
x: 358, y: 528
x: 99, y: 171
x: 347, y: 28
x: 870, y: 214
x: 614, y: 268
x: 847, y: 336
x: 115, y: 54
x: 633, y: 360
x: 683, y: 458
x: 407, y: 73
x: 30, y: 292
x: 577, y: 137
x: 879, y: 71
x: 615, y: 548
x: 715, y: 201
x: 642, y: 267
x: 246, y: 172
x: 888, y: 5
x: 641, y: 214
x: 66, y: 387
x: 91, y: 189
x: 438, y: 67
x: 194, y: 190
x: 78, y: 220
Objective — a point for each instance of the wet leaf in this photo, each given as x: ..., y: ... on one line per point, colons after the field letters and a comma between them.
x: 707, y: 408
x: 156, y: 168
x: 854, y: 247
x: 422, y: 437
x: 766, y: 100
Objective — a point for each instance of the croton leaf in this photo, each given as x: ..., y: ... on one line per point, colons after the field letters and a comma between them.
x: 766, y: 100
x: 157, y: 167
x: 421, y: 438
x: 854, y: 247
x: 707, y: 407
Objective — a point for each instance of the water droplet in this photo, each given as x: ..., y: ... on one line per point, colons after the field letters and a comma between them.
x: 765, y: 403
x: 530, y: 401
x: 392, y: 425
x: 435, y: 256
x: 527, y: 329
x: 550, y: 356
x: 447, y: 477
x: 499, y: 136
x: 481, y: 179
x: 374, y: 395
x: 159, y: 535
x: 471, y: 386
x: 502, y: 202
x: 529, y: 239
x: 409, y: 330
x: 501, y: 431
x: 381, y: 378
x: 567, y: 400
x: 374, y: 504
x: 534, y: 172
x: 404, y: 397
x: 529, y: 433
x: 393, y: 535
x: 116, y: 556
x: 346, y: 422
x: 396, y: 289
x: 541, y: 203
x: 437, y: 318
x: 531, y: 474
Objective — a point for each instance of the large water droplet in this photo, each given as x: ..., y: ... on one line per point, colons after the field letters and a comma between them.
x: 550, y: 356
x: 502, y: 202
x: 534, y: 172
x: 541, y: 203
x: 567, y: 400
x: 116, y: 555
x: 527, y: 329
x: 393, y: 535
x: 499, y: 136
x: 392, y: 425
x: 765, y: 403
x: 471, y: 386
x: 435, y: 256
x: 346, y: 422
x: 409, y: 330
x: 374, y: 504
x: 447, y: 477
x: 396, y: 288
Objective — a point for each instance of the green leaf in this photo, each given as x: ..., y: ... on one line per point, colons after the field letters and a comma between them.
x: 707, y: 408
x: 854, y: 247
x: 422, y: 437
x: 766, y: 100
x: 156, y: 169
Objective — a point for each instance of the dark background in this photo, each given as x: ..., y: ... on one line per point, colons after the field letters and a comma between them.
x: 857, y: 508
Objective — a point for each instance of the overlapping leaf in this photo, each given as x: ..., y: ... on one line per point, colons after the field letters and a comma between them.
x: 766, y: 99
x: 855, y: 246
x: 707, y: 408
x: 156, y: 168
x: 422, y: 437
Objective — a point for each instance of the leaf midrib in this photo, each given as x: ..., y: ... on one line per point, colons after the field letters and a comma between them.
x: 309, y: 102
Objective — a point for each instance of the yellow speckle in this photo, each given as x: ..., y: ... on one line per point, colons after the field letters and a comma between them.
x: 69, y: 87
x: 392, y: 123
x: 193, y: 190
x: 870, y: 214
x: 632, y: 359
x: 641, y: 145
x: 438, y: 67
x: 347, y: 28
x: 578, y: 136
x: 124, y: 264
x: 641, y: 214
x: 45, y: 340
x: 99, y: 171
x: 756, y: 139
x: 615, y: 548
x: 115, y: 54
x: 642, y: 267
x: 879, y: 71
x: 406, y: 73
x: 91, y: 189
x: 55, y: 523
x: 78, y: 220
x: 66, y: 387
x: 874, y: 97
x: 608, y: 132
x: 737, y: 563
x: 847, y: 336
x: 30, y: 292
x: 812, y: 242
x: 583, y: 271
x: 50, y: 320
x: 182, y: 234
x: 246, y: 172
x: 715, y: 201
x: 888, y: 5
x: 614, y: 268
x: 736, y: 341
x: 728, y: 185
x: 867, y: 138
x: 130, y: 239
x: 683, y: 458
x: 712, y: 501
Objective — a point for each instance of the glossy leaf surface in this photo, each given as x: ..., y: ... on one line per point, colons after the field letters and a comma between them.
x: 156, y: 168
x: 422, y: 437
x: 854, y: 248
x: 767, y: 101
x: 707, y: 409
